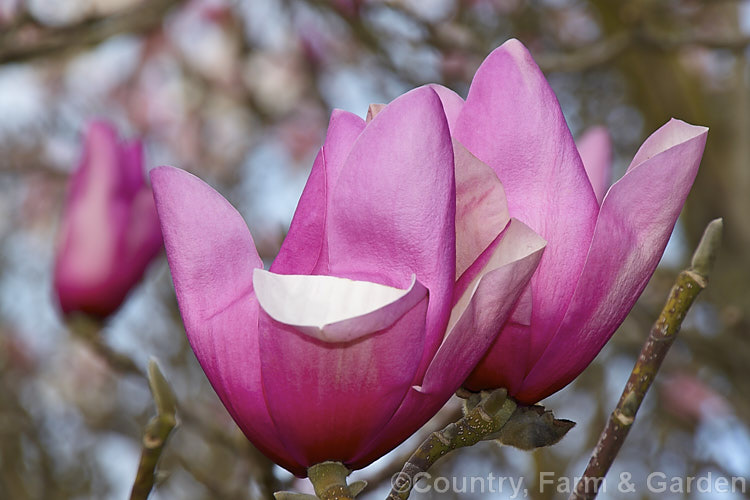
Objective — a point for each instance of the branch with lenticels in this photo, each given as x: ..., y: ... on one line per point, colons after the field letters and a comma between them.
x: 688, y: 285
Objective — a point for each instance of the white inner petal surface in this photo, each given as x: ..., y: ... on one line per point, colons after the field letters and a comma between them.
x: 317, y: 301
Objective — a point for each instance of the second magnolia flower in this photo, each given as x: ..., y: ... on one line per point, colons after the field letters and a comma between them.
x: 399, y: 265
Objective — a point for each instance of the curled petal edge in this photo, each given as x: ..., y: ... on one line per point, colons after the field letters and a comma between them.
x: 333, y: 309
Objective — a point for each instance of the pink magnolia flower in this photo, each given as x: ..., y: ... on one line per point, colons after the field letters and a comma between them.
x: 356, y: 335
x: 110, y: 230
x: 602, y: 248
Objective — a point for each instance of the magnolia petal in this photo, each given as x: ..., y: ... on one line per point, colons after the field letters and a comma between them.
x: 476, y: 321
x: 595, y: 147
x: 227, y: 348
x: 506, y: 362
x: 671, y: 134
x: 484, y: 307
x: 636, y: 220
x: 512, y: 121
x: 343, y: 132
x: 452, y: 104
x: 393, y: 207
x: 415, y: 409
x: 101, y: 163
x: 212, y: 257
x: 304, y: 249
x: 521, y: 314
x: 143, y: 233
x: 481, y: 207
x: 301, y: 249
x: 209, y: 248
x: 91, y: 225
x: 109, y: 230
x: 131, y: 158
x: 327, y: 399
x: 333, y: 309
x: 373, y: 110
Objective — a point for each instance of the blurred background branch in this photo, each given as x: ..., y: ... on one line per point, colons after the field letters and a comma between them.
x: 157, y: 432
x: 26, y: 39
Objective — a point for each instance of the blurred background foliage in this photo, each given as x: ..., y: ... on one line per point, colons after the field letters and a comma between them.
x: 239, y: 92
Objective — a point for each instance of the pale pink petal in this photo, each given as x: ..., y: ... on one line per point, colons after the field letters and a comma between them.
x: 373, y: 110
x: 481, y: 207
x: 595, y: 147
x: 392, y: 212
x: 476, y: 320
x: 522, y: 312
x: 671, y: 134
x: 634, y: 225
x: 333, y: 309
x: 328, y: 399
x: 343, y: 132
x: 512, y: 121
x: 212, y: 257
x: 305, y: 249
x: 484, y: 307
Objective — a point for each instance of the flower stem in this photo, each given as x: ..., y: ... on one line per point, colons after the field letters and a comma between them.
x: 156, y: 433
x: 481, y: 422
x: 329, y: 481
x: 688, y: 285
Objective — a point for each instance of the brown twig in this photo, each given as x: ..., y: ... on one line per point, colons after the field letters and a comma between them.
x: 44, y: 41
x: 688, y: 285
x: 605, y: 51
x: 587, y: 57
x: 90, y: 334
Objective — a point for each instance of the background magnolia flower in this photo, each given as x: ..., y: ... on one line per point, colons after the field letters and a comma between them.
x: 595, y: 148
x: 602, y: 249
x: 340, y: 350
x: 110, y: 230
x: 691, y: 400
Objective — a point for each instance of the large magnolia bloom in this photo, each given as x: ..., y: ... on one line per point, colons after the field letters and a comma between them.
x: 358, y: 333
x: 603, y: 242
x: 110, y: 231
